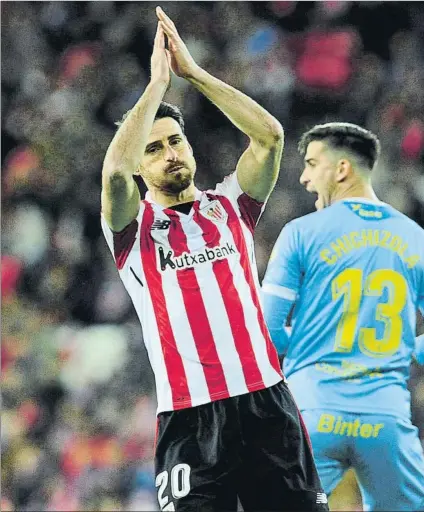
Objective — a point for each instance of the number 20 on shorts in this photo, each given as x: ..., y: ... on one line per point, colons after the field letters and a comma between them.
x: 350, y: 285
x: 180, y: 485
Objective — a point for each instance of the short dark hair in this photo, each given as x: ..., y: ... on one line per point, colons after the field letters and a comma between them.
x: 359, y: 141
x: 165, y: 110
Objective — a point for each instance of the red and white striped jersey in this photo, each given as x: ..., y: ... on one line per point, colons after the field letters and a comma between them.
x: 193, y: 282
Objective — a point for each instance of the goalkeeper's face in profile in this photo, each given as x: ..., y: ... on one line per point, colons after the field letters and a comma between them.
x: 320, y: 173
x: 168, y: 163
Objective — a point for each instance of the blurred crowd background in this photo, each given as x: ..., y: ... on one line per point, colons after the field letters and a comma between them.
x: 78, y: 415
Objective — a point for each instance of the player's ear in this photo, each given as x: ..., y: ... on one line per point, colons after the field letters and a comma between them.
x: 139, y: 171
x: 189, y: 145
x: 344, y: 168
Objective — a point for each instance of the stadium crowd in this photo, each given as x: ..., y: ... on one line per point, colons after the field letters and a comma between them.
x: 78, y: 417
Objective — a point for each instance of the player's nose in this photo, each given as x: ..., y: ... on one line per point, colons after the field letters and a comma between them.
x: 303, y: 179
x: 170, y: 154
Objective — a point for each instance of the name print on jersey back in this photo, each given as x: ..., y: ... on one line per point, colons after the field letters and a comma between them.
x: 365, y: 308
x: 368, y: 238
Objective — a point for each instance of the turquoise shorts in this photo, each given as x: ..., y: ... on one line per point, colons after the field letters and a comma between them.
x: 385, y: 452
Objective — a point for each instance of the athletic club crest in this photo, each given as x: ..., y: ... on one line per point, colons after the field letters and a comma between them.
x: 214, y: 211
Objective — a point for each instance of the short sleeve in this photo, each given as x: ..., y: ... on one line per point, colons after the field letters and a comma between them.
x: 284, y: 272
x: 120, y: 244
x: 249, y: 209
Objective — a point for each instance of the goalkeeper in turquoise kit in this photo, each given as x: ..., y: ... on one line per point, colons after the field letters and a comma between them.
x: 351, y: 278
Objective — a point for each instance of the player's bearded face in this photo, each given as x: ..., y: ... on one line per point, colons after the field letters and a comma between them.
x: 168, y: 163
x: 319, y: 174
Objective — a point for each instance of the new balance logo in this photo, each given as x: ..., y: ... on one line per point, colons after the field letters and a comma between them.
x: 161, y: 224
x: 321, y: 497
x: 188, y: 260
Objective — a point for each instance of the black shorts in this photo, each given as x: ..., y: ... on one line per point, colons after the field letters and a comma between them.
x: 253, y: 446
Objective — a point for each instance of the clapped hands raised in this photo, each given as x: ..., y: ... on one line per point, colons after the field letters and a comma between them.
x: 161, y: 59
x: 179, y: 58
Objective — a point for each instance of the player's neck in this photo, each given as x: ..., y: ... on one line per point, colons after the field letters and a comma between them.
x: 357, y: 189
x: 166, y: 200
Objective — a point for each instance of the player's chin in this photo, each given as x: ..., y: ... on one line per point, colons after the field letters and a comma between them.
x: 319, y: 203
x: 180, y: 181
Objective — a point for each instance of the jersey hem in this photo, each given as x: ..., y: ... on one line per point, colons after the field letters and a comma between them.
x: 186, y: 404
x: 354, y: 410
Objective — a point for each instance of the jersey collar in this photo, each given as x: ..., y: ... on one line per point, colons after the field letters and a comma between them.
x: 360, y: 200
x: 148, y: 197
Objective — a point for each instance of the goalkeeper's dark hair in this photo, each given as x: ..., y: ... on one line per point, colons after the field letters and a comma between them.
x: 360, y: 142
x: 165, y: 110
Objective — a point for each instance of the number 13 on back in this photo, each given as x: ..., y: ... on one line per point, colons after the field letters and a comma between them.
x: 350, y: 285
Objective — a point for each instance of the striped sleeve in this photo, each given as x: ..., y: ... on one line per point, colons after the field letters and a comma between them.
x: 120, y: 243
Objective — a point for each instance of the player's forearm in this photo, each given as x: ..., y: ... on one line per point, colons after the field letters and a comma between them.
x: 276, y: 311
x: 249, y: 117
x: 280, y: 339
x: 127, y: 147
